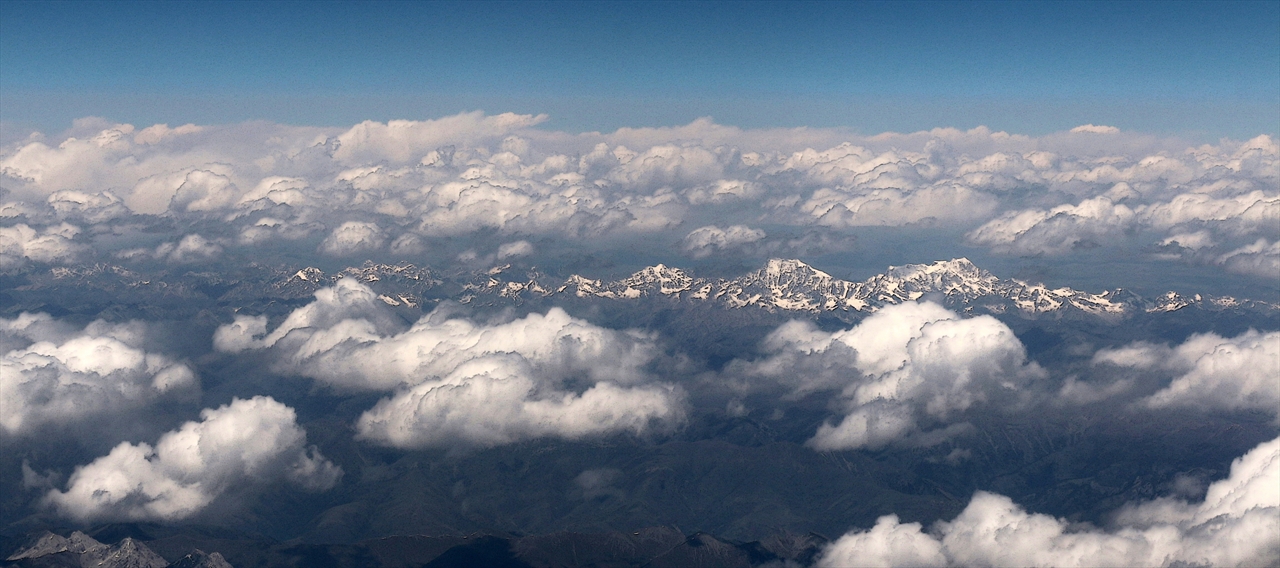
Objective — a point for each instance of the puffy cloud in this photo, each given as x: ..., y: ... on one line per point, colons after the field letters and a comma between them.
x: 453, y: 208
x: 1258, y: 258
x: 471, y: 172
x: 1205, y: 197
x: 1095, y: 129
x: 463, y: 383
x: 409, y: 140
x: 490, y: 201
x: 69, y: 165
x: 862, y: 187
x: 190, y: 168
x: 347, y: 303
x: 723, y: 191
x: 495, y: 400
x: 54, y: 245
x: 55, y: 375
x: 1210, y: 372
x: 268, y: 229
x: 705, y: 241
x: 905, y: 365
x: 1237, y: 524
x: 347, y: 339
x: 191, y: 248
x: 353, y: 237
x: 1248, y: 494
x: 203, y: 190
x: 889, y: 543
x: 1057, y: 230
x: 514, y: 249
x: 277, y: 190
x: 667, y: 165
x: 714, y: 135
x: 1194, y: 241
x: 1261, y: 258
x: 1067, y: 227
x: 1244, y: 214
x: 156, y: 133
x: 853, y: 166
x: 248, y: 442
x: 843, y: 208
x: 407, y: 244
x: 31, y: 212
x: 91, y: 208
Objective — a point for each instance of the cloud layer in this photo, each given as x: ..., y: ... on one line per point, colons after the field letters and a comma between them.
x: 379, y: 188
x: 1237, y: 524
x: 250, y: 442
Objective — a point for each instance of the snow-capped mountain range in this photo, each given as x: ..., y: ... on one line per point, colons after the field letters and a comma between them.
x: 786, y: 285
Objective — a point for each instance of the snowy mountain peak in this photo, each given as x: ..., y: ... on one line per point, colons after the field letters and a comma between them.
x: 782, y: 266
x: 955, y: 269
x: 787, y: 285
x: 309, y: 274
x: 793, y: 285
x: 660, y: 272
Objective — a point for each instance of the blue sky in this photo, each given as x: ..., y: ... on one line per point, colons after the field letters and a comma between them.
x: 1202, y: 70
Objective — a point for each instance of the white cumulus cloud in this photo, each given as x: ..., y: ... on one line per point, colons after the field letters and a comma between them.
x: 1202, y: 198
x: 902, y: 368
x: 705, y: 241
x: 91, y: 208
x: 472, y: 173
x: 21, y: 243
x: 410, y: 140
x: 1095, y: 129
x: 203, y: 190
x: 496, y: 399
x: 1210, y: 372
x: 515, y: 249
x: 192, y: 248
x: 459, y: 382
x: 187, y: 250
x: 353, y: 237
x: 248, y: 442
x: 1260, y: 258
x: 1057, y: 230
x: 1237, y: 524
x: 56, y: 375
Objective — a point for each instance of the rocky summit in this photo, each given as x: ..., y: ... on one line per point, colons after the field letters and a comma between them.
x: 79, y: 549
